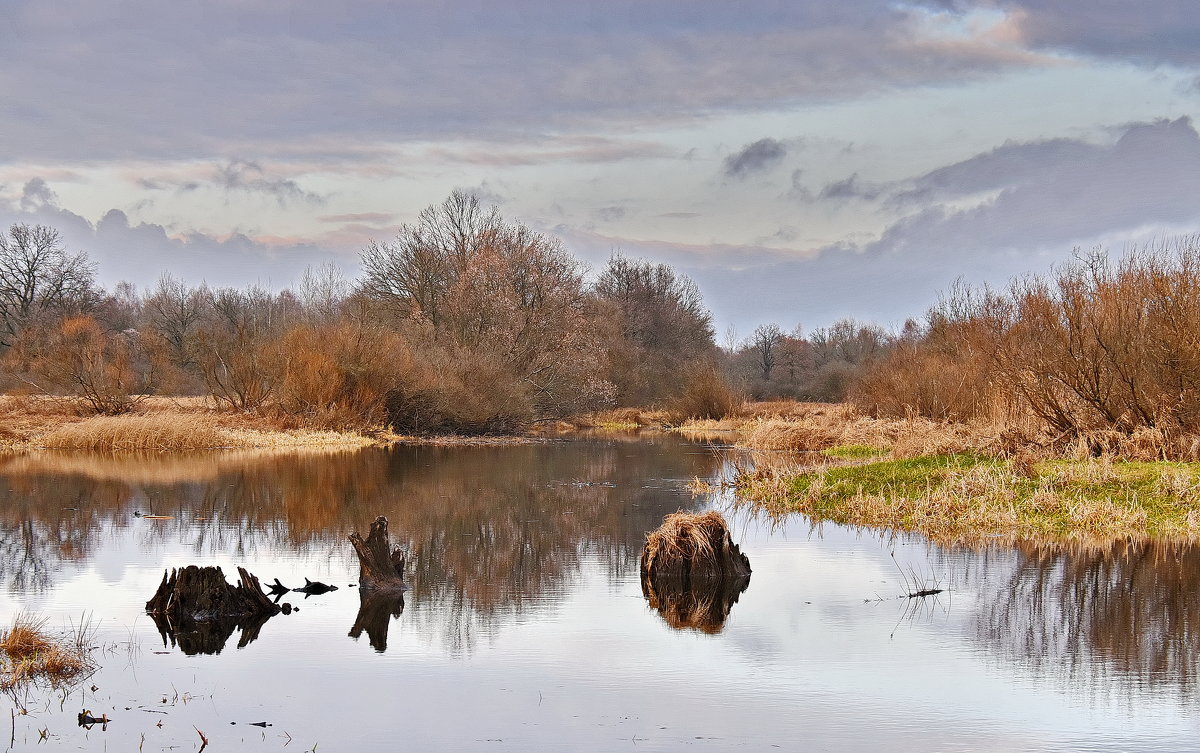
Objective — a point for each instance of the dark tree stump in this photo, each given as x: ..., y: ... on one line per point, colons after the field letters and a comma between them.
x: 197, y: 609
x: 381, y: 568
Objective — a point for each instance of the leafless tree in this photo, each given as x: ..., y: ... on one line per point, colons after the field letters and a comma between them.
x: 37, y: 275
x: 765, y: 341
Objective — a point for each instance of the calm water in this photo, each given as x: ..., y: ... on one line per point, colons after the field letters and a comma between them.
x: 525, y: 627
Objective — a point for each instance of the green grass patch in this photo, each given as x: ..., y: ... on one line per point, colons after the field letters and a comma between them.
x: 961, y: 496
x: 855, y: 452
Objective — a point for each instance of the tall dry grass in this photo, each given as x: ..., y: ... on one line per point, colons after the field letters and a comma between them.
x: 143, y: 432
x: 30, y: 654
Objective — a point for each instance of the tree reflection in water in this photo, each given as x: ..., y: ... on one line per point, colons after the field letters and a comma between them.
x: 1108, y: 618
x: 491, y: 531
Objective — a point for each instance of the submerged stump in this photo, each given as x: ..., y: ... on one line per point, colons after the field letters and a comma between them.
x: 692, y: 572
x: 381, y: 568
x: 198, y: 610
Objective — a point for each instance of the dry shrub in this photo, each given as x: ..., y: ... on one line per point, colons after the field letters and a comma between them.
x: 1101, y: 352
x: 339, y: 375
x: 469, y: 393
x: 705, y: 395
x: 151, y: 432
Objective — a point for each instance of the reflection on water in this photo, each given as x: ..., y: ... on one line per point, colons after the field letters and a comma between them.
x: 489, y: 529
x: 699, y: 604
x: 1108, y: 617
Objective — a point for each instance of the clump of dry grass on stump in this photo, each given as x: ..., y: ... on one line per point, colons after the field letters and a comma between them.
x: 692, y: 572
x: 690, y: 545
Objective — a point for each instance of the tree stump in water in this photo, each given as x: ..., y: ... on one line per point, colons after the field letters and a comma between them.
x: 197, y: 608
x: 381, y: 567
x: 688, y: 546
x: 692, y: 572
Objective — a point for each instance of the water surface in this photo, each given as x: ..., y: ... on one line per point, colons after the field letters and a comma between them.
x: 525, y: 626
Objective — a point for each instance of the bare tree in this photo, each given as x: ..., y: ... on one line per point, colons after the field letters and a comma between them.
x: 765, y: 341
x: 37, y: 274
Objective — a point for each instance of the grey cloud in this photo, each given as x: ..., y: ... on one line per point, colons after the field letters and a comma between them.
x: 754, y: 157
x: 1154, y: 32
x: 851, y: 188
x: 1005, y: 166
x: 1142, y: 184
x: 186, y: 81
x: 611, y: 214
x: 371, y: 218
x: 250, y: 177
x: 141, y: 253
x: 35, y: 195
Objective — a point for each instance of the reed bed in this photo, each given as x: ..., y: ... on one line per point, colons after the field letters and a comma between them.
x: 137, y: 432
x: 29, y: 654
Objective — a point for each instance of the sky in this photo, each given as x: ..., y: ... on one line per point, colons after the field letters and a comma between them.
x: 803, y: 161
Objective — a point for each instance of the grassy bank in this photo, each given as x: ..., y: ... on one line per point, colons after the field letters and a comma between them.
x: 959, y: 481
x: 968, y: 496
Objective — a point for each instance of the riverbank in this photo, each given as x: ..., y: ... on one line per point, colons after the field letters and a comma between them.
x: 161, y: 424
x: 955, y: 482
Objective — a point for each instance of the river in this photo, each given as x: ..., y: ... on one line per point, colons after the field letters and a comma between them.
x: 525, y: 627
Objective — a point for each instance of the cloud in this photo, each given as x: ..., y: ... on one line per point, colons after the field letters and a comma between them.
x: 1002, y: 213
x: 370, y: 218
x: 249, y: 177
x: 1160, y: 31
x: 279, y: 80
x: 611, y: 214
x: 35, y: 195
x: 142, y: 252
x: 754, y: 157
x: 850, y: 188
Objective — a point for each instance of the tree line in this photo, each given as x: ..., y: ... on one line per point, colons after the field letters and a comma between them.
x: 464, y: 322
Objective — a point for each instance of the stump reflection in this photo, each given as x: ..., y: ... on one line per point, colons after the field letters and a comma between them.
x: 698, y: 604
x: 375, y: 612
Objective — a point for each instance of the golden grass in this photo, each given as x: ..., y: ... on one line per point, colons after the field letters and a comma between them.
x: 137, y: 432
x: 28, y: 654
x: 684, y: 535
x: 162, y: 424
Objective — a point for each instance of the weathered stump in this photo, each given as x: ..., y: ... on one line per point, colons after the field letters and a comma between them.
x: 688, y: 546
x: 381, y: 568
x: 198, y: 610
x: 692, y: 572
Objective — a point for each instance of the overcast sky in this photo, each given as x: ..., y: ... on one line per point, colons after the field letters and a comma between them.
x: 803, y: 161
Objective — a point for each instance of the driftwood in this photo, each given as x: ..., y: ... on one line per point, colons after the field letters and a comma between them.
x: 381, y: 568
x: 692, y: 572
x: 198, y: 610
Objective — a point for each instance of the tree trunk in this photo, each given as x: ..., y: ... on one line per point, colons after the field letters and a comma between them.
x: 380, y: 567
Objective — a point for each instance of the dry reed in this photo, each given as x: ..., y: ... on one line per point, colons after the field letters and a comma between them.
x: 142, y: 432
x: 31, y: 655
x: 684, y: 536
